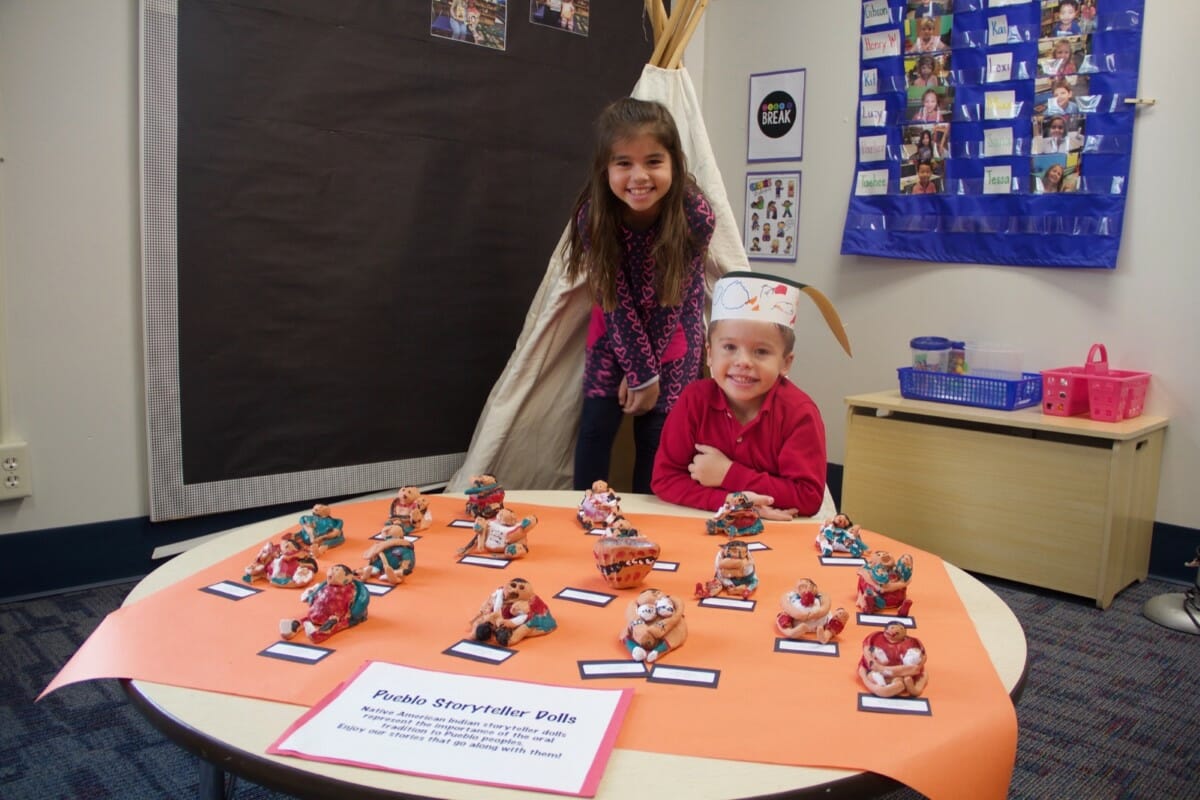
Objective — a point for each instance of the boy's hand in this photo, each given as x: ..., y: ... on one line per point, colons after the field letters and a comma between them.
x: 764, y: 504
x: 636, y: 402
x: 709, y: 466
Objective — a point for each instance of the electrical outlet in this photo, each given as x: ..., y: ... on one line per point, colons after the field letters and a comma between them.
x: 16, y: 477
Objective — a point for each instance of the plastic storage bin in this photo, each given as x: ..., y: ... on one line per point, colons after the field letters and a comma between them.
x: 994, y: 361
x: 930, y: 353
x: 1107, y: 395
x: 971, y: 390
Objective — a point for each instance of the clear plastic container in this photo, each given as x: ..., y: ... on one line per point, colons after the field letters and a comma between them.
x: 994, y: 361
x: 930, y: 353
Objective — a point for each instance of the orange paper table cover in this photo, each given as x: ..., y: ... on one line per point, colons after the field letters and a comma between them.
x: 770, y: 707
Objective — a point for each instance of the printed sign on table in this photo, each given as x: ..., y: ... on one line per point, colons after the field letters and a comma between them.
x: 463, y: 728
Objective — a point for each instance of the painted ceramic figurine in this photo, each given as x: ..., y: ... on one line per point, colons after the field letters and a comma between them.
x: 485, y: 496
x: 654, y: 625
x: 840, y: 535
x: 599, y: 506
x: 806, y: 611
x: 883, y: 583
x: 738, y: 517
x: 392, y: 558
x: 337, y: 603
x: 511, y: 613
x: 321, y: 529
x: 410, y: 510
x: 893, y: 663
x: 504, y: 536
x: 733, y: 573
x: 287, y: 563
x: 623, y: 556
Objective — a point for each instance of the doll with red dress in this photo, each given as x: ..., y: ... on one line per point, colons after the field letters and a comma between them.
x: 288, y: 563
x: 337, y: 603
x: 893, y: 663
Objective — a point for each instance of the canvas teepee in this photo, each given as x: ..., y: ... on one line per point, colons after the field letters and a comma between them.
x: 526, y: 432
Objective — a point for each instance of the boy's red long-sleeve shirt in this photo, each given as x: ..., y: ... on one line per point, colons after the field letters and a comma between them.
x: 781, y: 452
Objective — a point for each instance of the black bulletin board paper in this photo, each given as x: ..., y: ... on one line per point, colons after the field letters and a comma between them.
x: 364, y: 214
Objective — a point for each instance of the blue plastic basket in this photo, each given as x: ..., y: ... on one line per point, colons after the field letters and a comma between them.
x: 971, y: 390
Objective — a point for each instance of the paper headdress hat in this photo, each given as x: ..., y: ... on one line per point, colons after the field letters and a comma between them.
x: 769, y: 298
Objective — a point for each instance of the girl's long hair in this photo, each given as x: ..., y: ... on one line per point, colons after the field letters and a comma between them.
x: 598, y: 257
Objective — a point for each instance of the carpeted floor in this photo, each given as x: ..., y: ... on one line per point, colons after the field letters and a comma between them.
x: 1109, y: 710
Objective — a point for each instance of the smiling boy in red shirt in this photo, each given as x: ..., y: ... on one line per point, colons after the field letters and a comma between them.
x: 747, y: 428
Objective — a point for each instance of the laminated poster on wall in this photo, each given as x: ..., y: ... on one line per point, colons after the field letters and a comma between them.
x: 994, y: 131
x: 772, y: 209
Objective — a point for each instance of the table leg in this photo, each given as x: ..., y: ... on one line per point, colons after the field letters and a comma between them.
x: 212, y: 781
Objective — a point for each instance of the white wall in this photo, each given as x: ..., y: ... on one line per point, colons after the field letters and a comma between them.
x: 1144, y: 311
x: 70, y: 305
x: 70, y: 312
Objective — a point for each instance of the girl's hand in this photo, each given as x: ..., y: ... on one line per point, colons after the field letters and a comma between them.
x: 709, y: 466
x: 636, y: 402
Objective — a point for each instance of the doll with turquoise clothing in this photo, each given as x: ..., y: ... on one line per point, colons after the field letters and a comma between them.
x: 737, y: 517
x: 392, y: 558
x: 321, y: 530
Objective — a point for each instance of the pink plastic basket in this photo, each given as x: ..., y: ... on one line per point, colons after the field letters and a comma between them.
x: 1065, y: 390
x: 1119, y: 395
x: 1107, y: 395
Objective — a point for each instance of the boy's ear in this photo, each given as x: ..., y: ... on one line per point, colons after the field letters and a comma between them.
x: 787, y: 362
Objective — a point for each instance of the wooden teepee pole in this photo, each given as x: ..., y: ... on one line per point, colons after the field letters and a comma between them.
x: 658, y: 18
x: 675, y: 55
x: 668, y: 31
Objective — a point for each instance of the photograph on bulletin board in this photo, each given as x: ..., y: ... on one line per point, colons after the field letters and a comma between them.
x: 481, y: 22
x: 776, y: 118
x: 570, y: 16
x: 772, y: 207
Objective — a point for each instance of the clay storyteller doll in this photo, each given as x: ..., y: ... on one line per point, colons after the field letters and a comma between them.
x: 599, y: 506
x: 410, y: 509
x: 806, y: 611
x: 737, y: 517
x: 893, y: 663
x: 840, y: 535
x: 511, y: 613
x: 287, y: 563
x: 335, y: 604
x: 883, y: 583
x: 485, y: 496
x: 733, y: 575
x: 392, y: 558
x: 501, y: 537
x: 654, y: 625
x: 321, y: 529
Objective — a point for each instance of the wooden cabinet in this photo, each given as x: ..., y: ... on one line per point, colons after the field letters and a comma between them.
x: 1065, y: 503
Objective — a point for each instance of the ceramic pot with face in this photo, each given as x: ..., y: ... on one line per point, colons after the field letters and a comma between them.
x: 626, y: 559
